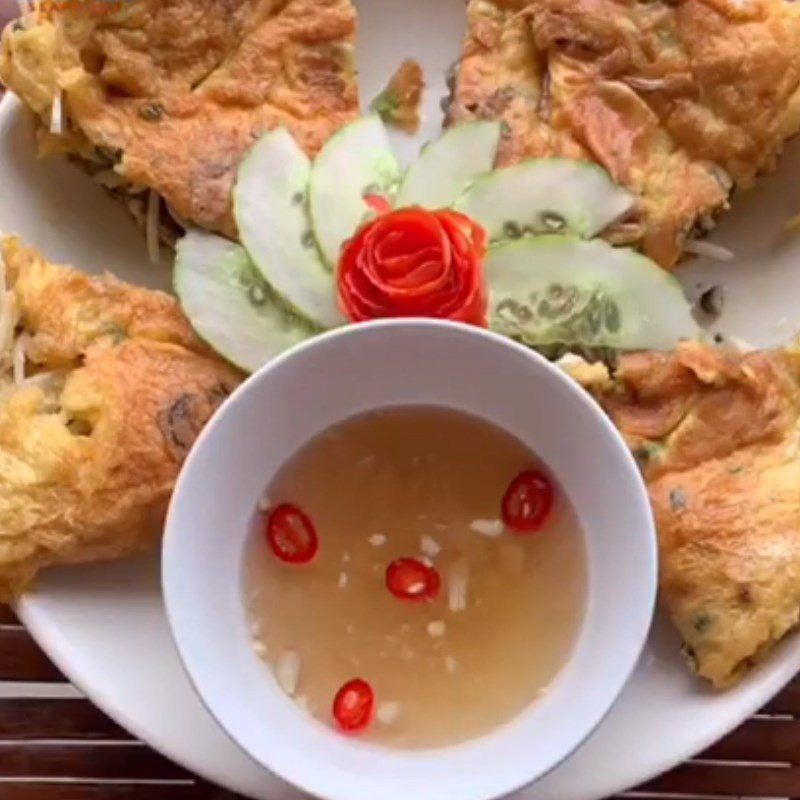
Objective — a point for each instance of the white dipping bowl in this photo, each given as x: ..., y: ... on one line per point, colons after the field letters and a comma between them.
x: 401, y: 363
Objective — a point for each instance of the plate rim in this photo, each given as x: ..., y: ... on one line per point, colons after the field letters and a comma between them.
x: 767, y: 679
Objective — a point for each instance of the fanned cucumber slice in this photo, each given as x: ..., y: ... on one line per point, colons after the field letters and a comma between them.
x: 545, y: 195
x: 355, y: 161
x: 447, y: 166
x: 269, y: 202
x: 561, y: 290
x: 229, y: 304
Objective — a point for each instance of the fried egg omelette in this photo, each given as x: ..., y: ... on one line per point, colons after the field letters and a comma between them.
x: 717, y: 435
x: 103, y: 389
x: 167, y: 95
x: 679, y: 101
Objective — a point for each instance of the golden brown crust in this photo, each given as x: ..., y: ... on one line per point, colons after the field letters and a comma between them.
x: 399, y: 103
x: 171, y: 93
x: 67, y: 312
x: 90, y: 453
x: 677, y: 101
x: 718, y: 437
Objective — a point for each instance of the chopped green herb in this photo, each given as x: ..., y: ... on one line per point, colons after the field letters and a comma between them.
x: 152, y: 112
x: 702, y: 622
x: 735, y: 470
x: 115, y: 331
x: 646, y: 453
x: 677, y: 499
x: 220, y: 392
x: 122, y: 14
x: 110, y: 156
x: 386, y: 104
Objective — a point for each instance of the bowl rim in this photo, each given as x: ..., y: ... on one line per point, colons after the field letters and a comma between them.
x: 539, y: 362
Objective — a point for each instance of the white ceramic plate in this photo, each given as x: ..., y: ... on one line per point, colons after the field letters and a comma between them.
x: 104, y: 626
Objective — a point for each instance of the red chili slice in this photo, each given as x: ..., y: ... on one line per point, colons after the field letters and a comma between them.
x: 410, y: 579
x: 528, y: 501
x: 291, y: 534
x: 354, y: 706
x: 378, y: 203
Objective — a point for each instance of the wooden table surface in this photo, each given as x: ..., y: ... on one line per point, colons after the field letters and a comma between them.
x: 55, y: 745
x: 63, y: 748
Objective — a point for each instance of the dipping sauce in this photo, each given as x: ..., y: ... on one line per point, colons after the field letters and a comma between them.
x: 405, y: 602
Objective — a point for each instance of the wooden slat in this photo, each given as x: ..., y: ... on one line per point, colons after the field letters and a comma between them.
x: 83, y: 791
x: 760, y: 740
x: 787, y: 702
x: 22, y: 719
x: 86, y: 762
x: 22, y: 660
x: 729, y: 780
x: 7, y: 616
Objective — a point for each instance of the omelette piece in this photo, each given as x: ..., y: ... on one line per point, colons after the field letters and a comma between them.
x: 717, y: 435
x: 167, y: 95
x: 103, y: 389
x: 678, y: 101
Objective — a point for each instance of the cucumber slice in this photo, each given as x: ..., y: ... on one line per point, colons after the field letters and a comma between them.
x: 561, y: 290
x: 447, y: 166
x: 229, y: 304
x: 545, y: 195
x: 355, y: 161
x: 269, y: 201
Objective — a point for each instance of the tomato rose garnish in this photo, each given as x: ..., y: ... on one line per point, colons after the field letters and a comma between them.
x: 415, y: 263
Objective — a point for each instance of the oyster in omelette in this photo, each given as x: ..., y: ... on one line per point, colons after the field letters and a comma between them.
x: 103, y: 389
x: 159, y: 99
x: 717, y: 435
x: 679, y: 101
